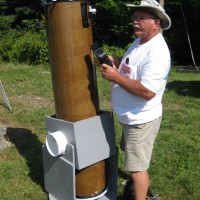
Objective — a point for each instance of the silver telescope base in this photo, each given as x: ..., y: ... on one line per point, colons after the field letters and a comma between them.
x: 60, y: 176
x: 59, y: 171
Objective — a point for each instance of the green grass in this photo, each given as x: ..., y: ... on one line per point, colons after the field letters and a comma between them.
x: 174, y: 170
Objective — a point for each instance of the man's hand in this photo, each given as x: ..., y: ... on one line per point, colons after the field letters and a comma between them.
x: 110, y: 73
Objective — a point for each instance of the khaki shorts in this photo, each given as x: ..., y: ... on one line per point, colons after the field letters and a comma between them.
x: 137, y: 142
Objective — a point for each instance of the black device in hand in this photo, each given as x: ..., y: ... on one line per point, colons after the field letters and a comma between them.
x: 101, y: 55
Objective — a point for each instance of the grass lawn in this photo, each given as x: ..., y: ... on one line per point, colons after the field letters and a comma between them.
x: 175, y: 166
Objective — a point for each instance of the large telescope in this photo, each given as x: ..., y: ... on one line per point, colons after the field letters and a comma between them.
x: 69, y: 32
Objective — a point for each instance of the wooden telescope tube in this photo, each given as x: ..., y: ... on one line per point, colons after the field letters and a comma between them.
x: 69, y: 32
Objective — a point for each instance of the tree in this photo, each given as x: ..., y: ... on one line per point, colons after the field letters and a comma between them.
x: 19, y: 13
x: 177, y: 37
x: 21, y: 38
x: 112, y: 24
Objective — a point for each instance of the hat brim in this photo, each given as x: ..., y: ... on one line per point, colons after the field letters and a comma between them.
x: 165, y: 20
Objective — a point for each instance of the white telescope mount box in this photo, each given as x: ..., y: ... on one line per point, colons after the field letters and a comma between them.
x: 89, y: 141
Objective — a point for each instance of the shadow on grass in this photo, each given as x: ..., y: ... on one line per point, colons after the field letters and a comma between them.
x: 30, y: 148
x: 125, y: 176
x: 185, y: 88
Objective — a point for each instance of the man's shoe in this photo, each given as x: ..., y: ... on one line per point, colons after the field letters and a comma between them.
x: 153, y: 198
x: 128, y: 193
x: 150, y: 196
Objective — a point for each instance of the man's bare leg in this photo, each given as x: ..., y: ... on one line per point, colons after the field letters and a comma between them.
x: 140, y: 184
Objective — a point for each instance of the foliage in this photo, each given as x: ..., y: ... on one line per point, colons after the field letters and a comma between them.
x: 111, y: 25
x: 22, y: 39
x: 21, y: 9
x: 177, y: 35
x: 31, y: 49
x: 6, y: 21
x: 24, y: 47
x: 7, y: 40
x: 114, y: 51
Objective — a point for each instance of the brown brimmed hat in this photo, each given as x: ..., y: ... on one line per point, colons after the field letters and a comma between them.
x: 153, y: 7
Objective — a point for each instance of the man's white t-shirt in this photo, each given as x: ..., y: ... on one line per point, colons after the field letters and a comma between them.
x: 149, y: 63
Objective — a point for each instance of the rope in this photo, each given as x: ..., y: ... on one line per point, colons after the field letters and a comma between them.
x: 188, y: 36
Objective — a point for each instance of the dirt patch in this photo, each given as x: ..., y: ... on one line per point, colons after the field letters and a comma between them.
x: 30, y: 100
x: 4, y: 122
x: 4, y: 127
x: 4, y: 143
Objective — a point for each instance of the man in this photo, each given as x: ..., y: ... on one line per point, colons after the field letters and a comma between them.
x: 138, y: 84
